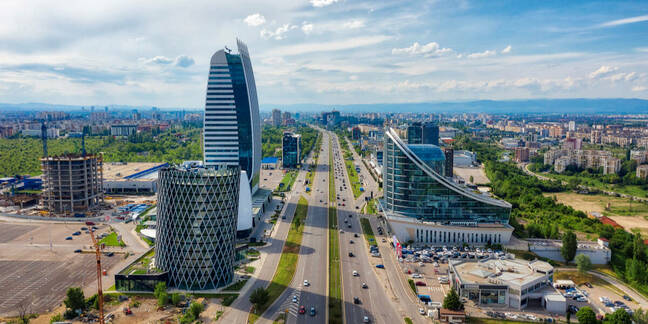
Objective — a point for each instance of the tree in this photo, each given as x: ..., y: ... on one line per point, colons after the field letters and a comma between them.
x: 472, y: 180
x: 56, y: 318
x: 620, y: 316
x: 159, y: 289
x: 584, y: 263
x: 451, y: 301
x: 640, y: 316
x: 586, y: 316
x: 75, y: 299
x: 195, y: 309
x: 259, y: 297
x: 569, y: 245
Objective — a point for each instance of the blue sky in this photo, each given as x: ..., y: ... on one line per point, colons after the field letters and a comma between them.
x: 323, y: 51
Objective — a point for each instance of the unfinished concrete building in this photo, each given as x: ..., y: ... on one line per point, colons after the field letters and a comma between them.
x: 72, y: 184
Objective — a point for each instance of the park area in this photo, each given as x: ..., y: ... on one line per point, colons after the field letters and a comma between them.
x: 629, y: 214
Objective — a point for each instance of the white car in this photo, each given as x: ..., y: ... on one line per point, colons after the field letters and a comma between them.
x: 421, y: 311
x: 365, y: 319
x: 306, y: 283
x: 294, y: 299
x: 355, y: 273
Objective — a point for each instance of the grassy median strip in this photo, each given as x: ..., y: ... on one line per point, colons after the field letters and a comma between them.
x: 368, y: 232
x: 316, y: 152
x: 287, y: 181
x: 335, y: 275
x: 288, y: 261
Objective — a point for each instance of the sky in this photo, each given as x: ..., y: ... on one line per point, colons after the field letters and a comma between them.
x: 156, y: 53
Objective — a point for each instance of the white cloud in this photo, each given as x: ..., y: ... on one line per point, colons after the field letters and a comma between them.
x: 184, y: 61
x: 639, y: 88
x: 279, y: 33
x: 506, y: 50
x: 429, y: 49
x: 159, y: 60
x: 353, y: 24
x: 337, y: 45
x: 322, y: 3
x: 602, y: 71
x: 307, y: 28
x: 483, y: 54
x: 624, y: 21
x: 255, y: 20
x: 353, y: 77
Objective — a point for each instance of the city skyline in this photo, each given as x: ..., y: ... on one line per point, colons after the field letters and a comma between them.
x: 328, y: 52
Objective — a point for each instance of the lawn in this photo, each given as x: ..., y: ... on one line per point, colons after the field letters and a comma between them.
x: 288, y: 261
x: 633, y: 190
x: 311, y: 175
x: 354, y: 181
x: 112, y: 240
x: 335, y: 276
x: 237, y: 285
x: 287, y: 181
x: 368, y: 231
x: 371, y: 208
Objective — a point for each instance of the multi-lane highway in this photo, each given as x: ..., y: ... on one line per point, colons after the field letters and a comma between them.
x: 371, y: 302
x: 313, y: 261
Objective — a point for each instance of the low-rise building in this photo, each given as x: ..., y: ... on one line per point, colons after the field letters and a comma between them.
x: 507, y: 282
x: 642, y: 171
x: 598, y: 252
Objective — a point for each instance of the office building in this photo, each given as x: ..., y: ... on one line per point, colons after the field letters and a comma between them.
x: 291, y: 150
x: 507, y: 282
x: 448, y: 170
x: 415, y: 134
x: 422, y: 205
x: 232, y: 130
x: 196, y: 226
x: 276, y: 117
x: 72, y: 184
x: 430, y: 133
x: 123, y: 130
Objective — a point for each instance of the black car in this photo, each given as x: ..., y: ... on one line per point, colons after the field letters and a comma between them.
x: 355, y: 235
x: 356, y: 300
x: 351, y: 254
x: 77, y: 251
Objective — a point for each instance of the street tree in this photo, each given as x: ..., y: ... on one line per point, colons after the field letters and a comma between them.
x: 569, y: 245
x: 451, y: 300
x: 586, y: 315
x: 583, y: 262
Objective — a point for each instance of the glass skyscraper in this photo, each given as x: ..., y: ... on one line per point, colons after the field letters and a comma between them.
x: 232, y: 130
x: 415, y: 187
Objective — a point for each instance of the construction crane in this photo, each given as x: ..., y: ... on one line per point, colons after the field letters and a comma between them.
x: 99, y: 292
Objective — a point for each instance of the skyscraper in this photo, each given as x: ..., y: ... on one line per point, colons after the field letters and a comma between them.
x: 291, y: 150
x: 276, y: 117
x: 430, y: 133
x: 232, y: 131
x: 415, y: 133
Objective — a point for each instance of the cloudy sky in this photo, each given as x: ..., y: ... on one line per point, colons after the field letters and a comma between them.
x: 323, y: 51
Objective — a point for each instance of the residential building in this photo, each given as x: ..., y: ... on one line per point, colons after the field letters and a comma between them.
x: 232, y: 129
x: 422, y: 205
x: 6, y: 131
x: 593, y: 159
x: 291, y: 150
x: 123, y: 130
x: 521, y: 154
x: 572, y: 144
x: 276, y: 117
x: 595, y: 136
x: 356, y: 133
x: 642, y: 171
x: 572, y: 126
x: 196, y: 226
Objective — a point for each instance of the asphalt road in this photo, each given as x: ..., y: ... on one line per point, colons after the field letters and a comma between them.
x: 373, y: 302
x: 313, y: 260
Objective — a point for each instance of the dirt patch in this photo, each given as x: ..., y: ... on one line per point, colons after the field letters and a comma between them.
x: 478, y: 174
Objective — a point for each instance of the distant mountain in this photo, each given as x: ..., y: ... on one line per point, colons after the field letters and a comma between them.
x: 551, y: 106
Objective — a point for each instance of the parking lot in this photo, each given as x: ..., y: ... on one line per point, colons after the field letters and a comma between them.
x: 36, y: 274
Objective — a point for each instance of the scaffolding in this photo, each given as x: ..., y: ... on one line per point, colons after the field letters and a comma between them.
x: 72, y: 184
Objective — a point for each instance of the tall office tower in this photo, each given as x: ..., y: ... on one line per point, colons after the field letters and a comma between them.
x: 430, y: 133
x: 424, y: 206
x: 415, y: 133
x: 232, y: 131
x: 572, y: 126
x: 449, y: 161
x: 196, y: 226
x: 291, y: 150
x: 276, y: 117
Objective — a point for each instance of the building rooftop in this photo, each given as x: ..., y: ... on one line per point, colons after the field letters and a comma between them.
x: 119, y: 170
x: 500, y: 271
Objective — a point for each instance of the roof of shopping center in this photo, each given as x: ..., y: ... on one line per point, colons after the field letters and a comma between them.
x: 500, y: 271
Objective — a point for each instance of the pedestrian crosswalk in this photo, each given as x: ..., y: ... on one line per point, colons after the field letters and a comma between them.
x: 290, y: 307
x: 436, y: 290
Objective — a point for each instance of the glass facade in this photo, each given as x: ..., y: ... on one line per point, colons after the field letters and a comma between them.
x: 415, y: 134
x: 291, y: 150
x: 232, y: 130
x: 430, y: 133
x: 196, y: 226
x: 415, y: 187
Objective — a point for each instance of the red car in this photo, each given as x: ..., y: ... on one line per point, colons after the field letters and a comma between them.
x: 302, y: 310
x: 420, y: 283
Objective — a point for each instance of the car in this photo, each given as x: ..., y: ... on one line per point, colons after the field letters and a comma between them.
x: 77, y: 233
x: 302, y: 309
x: 421, y: 311
x: 380, y: 266
x: 343, y: 204
x: 383, y: 240
x: 626, y: 297
x: 341, y: 231
x: 357, y: 207
x: 312, y: 311
x: 294, y: 299
x: 84, y: 228
x: 77, y: 251
x: 350, y: 241
x: 355, y: 234
x: 306, y: 283
x: 68, y: 238
x: 421, y: 283
x: 573, y: 309
x: 589, y: 285
x: 350, y: 254
x: 364, y: 285
x: 346, y: 220
x: 356, y: 300
x: 355, y: 273
x: 349, y: 226
x: 365, y: 319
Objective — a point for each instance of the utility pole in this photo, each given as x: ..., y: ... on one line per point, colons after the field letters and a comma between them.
x: 99, y: 291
